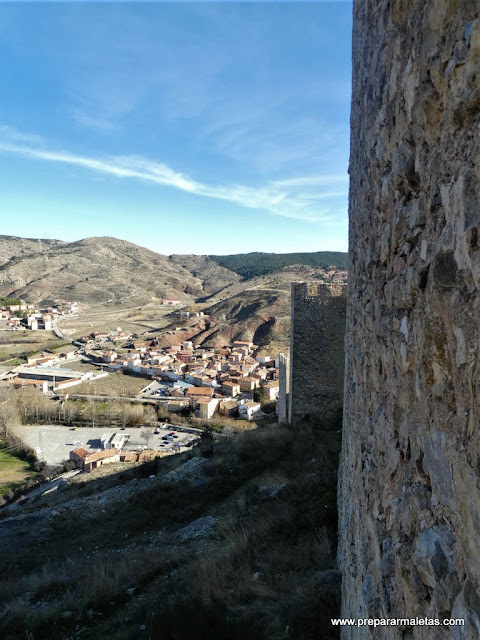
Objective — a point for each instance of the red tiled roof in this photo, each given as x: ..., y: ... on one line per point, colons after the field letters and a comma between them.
x: 81, y: 453
x: 199, y: 391
x: 101, y: 455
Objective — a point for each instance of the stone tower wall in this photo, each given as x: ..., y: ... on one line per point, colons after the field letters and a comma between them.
x: 410, y: 471
x: 317, y: 351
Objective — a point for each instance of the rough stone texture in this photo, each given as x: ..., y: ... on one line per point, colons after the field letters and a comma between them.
x: 317, y: 355
x: 409, y: 486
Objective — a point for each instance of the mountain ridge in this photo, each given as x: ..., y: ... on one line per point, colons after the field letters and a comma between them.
x: 100, y: 270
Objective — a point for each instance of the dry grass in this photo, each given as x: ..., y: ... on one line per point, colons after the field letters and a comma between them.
x: 76, y: 587
x: 115, y: 384
x: 14, y: 344
x: 269, y: 565
x: 109, y: 317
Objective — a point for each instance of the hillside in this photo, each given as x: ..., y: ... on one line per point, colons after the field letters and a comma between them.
x: 99, y: 269
x: 115, y: 275
x: 259, y: 309
x: 238, y: 543
x: 249, y: 265
x: 14, y: 247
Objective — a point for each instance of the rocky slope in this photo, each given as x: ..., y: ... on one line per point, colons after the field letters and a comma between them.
x: 259, y: 309
x: 13, y: 247
x: 233, y: 540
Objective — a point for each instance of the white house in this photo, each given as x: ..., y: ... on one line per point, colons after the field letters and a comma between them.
x: 249, y: 410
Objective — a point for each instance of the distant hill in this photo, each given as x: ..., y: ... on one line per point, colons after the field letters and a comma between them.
x: 247, y: 296
x: 249, y: 265
x: 95, y: 270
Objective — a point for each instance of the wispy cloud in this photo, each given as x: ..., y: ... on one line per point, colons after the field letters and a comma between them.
x: 312, y: 181
x: 13, y: 134
x: 287, y: 198
x: 92, y: 122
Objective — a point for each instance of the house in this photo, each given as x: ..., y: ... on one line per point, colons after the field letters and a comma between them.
x: 199, y: 392
x: 272, y: 389
x: 206, y: 407
x: 235, y: 358
x: 245, y: 347
x: 68, y: 355
x: 143, y: 369
x: 185, y: 357
x: 248, y: 384
x: 95, y: 460
x: 78, y: 457
x: 260, y: 374
x: 249, y: 410
x: 178, y: 405
x: 98, y: 335
x: 199, y: 379
x: 22, y: 383
x: 47, y: 323
x: 228, y: 408
x: 231, y: 389
x: 32, y: 322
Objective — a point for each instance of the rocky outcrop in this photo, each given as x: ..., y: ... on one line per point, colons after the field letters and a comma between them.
x: 410, y: 485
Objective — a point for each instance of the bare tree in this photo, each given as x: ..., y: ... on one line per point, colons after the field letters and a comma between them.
x: 9, y: 415
x: 149, y: 415
x: 146, y: 435
x: 92, y: 410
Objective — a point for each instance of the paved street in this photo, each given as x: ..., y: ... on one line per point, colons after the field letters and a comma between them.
x: 53, y: 443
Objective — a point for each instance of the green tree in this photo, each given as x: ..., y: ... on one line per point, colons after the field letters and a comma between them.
x: 260, y: 393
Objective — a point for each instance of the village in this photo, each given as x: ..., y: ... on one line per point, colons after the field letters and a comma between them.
x: 186, y: 377
x: 20, y: 315
x: 181, y: 380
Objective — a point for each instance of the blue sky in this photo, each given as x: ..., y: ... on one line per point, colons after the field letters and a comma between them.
x: 185, y: 127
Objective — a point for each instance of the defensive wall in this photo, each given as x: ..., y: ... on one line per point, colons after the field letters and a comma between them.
x: 317, y: 352
x: 410, y: 471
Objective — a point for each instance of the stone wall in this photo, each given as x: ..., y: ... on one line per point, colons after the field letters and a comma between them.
x: 410, y: 486
x: 317, y: 354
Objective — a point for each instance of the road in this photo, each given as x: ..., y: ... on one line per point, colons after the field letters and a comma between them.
x: 58, y: 332
x: 53, y: 484
x: 74, y: 396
